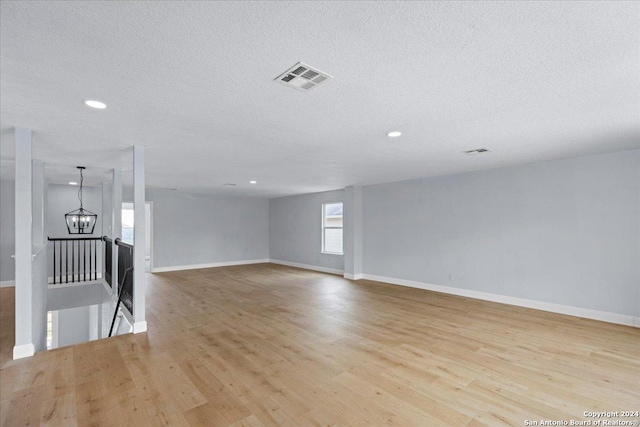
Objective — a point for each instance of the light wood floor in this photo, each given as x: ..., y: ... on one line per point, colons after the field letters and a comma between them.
x: 267, y: 345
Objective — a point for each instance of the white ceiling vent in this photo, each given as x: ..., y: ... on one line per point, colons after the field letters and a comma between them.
x: 303, y: 77
x: 153, y: 188
x: 476, y: 151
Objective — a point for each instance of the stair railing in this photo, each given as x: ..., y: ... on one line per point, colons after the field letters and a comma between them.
x: 75, y: 259
x: 125, y: 279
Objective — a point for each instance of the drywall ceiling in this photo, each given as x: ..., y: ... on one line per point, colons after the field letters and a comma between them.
x: 193, y: 83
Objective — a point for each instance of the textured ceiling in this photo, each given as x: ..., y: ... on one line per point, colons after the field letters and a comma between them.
x: 193, y: 83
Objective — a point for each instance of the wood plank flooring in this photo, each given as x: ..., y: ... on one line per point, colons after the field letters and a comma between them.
x: 267, y: 345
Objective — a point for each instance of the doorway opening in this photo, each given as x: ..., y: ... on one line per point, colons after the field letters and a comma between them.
x: 127, y: 231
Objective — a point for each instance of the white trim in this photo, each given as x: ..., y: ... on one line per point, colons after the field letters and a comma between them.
x: 353, y: 276
x: 211, y: 265
x: 54, y: 329
x: 308, y: 267
x: 76, y: 278
x: 324, y: 227
x: 150, y: 203
x: 127, y: 315
x: 72, y: 284
x: 139, y: 327
x: 605, y: 316
x: 7, y: 284
x: 24, y: 350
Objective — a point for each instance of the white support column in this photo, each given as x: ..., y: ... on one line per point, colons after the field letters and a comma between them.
x: 39, y: 259
x: 38, y: 218
x: 116, y: 224
x: 353, y: 232
x: 106, y: 224
x: 23, y: 204
x: 139, y: 218
x: 107, y: 208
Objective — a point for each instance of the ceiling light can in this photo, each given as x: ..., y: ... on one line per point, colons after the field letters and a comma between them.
x: 95, y: 104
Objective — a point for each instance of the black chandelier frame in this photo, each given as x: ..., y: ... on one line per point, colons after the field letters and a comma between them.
x: 81, y: 221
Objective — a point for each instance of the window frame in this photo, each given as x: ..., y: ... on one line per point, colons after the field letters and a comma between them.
x: 323, y: 228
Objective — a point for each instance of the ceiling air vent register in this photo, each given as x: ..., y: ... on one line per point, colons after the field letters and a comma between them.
x: 476, y: 151
x: 303, y: 77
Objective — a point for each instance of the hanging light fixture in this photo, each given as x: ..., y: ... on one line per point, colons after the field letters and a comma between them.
x: 80, y: 221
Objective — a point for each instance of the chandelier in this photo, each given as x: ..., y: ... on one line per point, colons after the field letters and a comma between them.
x: 80, y: 221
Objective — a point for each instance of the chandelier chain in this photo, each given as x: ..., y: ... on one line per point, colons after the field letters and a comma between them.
x: 80, y: 189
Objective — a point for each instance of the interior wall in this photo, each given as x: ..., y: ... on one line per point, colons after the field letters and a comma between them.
x: 191, y: 229
x: 7, y: 230
x: 63, y: 199
x: 73, y: 326
x: 295, y: 229
x: 564, y: 231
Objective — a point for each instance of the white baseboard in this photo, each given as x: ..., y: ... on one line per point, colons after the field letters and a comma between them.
x: 24, y: 350
x: 211, y: 265
x: 605, y: 316
x: 308, y: 267
x: 7, y: 283
x: 72, y: 284
x: 75, y: 278
x: 353, y: 276
x: 139, y: 327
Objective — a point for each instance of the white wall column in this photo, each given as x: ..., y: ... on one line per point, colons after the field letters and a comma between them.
x: 139, y: 218
x: 38, y: 207
x: 116, y: 224
x: 353, y: 232
x: 39, y: 257
x: 107, y: 209
x: 23, y: 204
x: 106, y: 224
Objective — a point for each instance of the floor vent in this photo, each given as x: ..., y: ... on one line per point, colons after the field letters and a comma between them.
x: 228, y: 184
x: 303, y: 77
x: 476, y: 151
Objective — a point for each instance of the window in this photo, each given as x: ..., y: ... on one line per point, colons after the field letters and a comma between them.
x: 127, y: 223
x: 52, y: 330
x: 332, y: 228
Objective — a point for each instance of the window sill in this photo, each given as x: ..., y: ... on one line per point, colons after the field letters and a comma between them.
x: 332, y: 253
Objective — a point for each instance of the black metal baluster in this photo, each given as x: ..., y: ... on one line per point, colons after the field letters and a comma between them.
x: 66, y: 270
x: 60, y: 261
x: 73, y: 261
x: 95, y: 260
x: 54, y: 262
x: 84, y: 260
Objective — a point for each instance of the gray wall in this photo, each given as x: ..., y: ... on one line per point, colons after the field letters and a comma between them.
x: 63, y: 199
x: 199, y: 229
x: 295, y: 229
x: 7, y: 230
x: 73, y: 326
x: 565, y: 231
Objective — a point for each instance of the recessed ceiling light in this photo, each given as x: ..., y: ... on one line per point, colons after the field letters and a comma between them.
x: 253, y: 182
x: 73, y: 183
x: 95, y: 104
x: 394, y: 134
